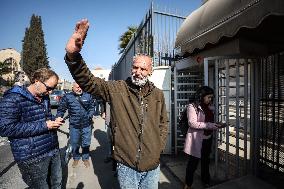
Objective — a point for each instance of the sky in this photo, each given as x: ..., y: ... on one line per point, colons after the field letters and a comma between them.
x: 108, y: 20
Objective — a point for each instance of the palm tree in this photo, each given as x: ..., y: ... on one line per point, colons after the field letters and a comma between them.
x: 125, y: 38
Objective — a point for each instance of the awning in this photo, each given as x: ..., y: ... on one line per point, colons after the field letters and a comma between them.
x: 217, y: 19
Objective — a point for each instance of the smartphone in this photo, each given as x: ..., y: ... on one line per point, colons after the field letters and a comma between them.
x: 63, y: 121
x: 223, y: 125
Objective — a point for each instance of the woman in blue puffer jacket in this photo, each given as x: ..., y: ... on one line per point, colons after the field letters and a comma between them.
x: 26, y: 119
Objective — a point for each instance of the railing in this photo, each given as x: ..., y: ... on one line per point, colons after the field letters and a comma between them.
x: 155, y: 37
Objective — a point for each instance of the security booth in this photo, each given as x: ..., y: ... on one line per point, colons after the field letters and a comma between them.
x: 241, y: 47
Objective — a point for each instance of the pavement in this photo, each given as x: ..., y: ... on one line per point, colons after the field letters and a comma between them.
x: 176, y: 164
x: 100, y: 174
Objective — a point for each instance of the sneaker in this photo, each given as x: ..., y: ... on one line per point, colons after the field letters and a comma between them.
x: 75, y: 163
x: 86, y: 163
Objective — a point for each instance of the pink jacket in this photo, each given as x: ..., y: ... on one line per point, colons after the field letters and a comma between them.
x: 195, y: 136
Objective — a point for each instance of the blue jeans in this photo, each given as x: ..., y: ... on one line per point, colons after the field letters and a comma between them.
x: 129, y: 178
x: 42, y: 173
x: 81, y: 138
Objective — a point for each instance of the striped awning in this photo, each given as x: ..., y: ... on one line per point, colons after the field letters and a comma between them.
x: 218, y: 19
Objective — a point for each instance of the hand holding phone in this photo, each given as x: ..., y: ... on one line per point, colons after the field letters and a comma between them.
x: 63, y: 120
x: 222, y: 125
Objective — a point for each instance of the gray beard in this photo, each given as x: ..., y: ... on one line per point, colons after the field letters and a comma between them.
x: 78, y: 93
x: 139, y: 82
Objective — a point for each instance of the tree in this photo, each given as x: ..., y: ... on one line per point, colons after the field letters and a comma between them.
x: 125, y: 38
x: 4, y: 68
x: 34, y: 55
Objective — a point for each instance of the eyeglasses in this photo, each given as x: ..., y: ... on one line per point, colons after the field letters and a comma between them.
x: 48, y: 88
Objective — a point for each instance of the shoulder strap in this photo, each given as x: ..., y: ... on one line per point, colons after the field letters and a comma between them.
x: 79, y: 100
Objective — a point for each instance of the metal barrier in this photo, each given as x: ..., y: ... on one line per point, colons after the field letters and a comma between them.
x: 155, y: 37
x: 250, y: 99
x: 271, y: 116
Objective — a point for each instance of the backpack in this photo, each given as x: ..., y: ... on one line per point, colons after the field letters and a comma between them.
x: 183, y: 122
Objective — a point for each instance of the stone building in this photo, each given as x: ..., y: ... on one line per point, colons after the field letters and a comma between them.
x: 12, y: 57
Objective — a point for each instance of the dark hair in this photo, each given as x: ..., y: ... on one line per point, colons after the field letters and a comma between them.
x: 43, y: 74
x: 201, y: 93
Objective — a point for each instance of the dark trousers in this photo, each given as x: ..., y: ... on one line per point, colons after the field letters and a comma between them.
x: 43, y: 173
x: 205, y: 160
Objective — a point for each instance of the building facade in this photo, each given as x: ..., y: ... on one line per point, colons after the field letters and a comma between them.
x: 11, y: 57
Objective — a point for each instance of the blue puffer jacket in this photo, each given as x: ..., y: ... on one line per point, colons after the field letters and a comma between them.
x: 79, y: 116
x: 23, y: 121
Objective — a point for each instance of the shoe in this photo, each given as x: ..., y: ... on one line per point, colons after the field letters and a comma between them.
x: 186, y: 187
x: 107, y: 159
x: 75, y: 163
x: 68, y: 154
x: 86, y: 163
x: 207, y: 185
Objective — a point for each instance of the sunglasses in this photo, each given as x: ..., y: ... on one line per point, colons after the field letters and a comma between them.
x: 48, y: 88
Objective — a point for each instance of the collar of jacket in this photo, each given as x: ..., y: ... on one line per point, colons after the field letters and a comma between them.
x: 146, y: 89
x: 22, y: 90
x: 211, y: 107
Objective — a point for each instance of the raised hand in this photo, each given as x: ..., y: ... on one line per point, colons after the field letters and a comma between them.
x: 76, y: 41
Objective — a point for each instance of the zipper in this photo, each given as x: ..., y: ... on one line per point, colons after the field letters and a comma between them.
x: 141, y: 127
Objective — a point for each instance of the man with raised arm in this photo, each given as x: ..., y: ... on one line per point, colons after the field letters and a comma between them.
x: 138, y: 114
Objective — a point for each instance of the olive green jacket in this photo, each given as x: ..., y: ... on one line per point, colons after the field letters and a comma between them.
x: 138, y: 116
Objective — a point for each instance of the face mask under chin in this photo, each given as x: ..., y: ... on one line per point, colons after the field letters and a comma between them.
x: 139, y: 82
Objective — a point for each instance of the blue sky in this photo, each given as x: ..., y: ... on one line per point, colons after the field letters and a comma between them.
x: 108, y: 20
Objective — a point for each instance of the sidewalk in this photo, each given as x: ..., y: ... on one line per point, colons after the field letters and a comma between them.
x: 100, y: 174
x: 176, y: 164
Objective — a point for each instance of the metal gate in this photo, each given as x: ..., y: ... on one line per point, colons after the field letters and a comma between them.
x: 186, y: 82
x: 230, y: 77
x: 271, y: 131
x: 155, y: 36
x: 250, y: 99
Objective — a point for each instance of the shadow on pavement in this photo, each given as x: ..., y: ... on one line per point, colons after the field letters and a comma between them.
x: 80, y: 185
x: 103, y: 170
x: 64, y: 167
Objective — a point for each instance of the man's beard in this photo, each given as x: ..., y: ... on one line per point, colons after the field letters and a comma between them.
x: 139, y: 82
x: 38, y: 93
x: 78, y: 93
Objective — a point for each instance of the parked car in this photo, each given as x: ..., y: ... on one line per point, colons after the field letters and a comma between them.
x: 55, y: 97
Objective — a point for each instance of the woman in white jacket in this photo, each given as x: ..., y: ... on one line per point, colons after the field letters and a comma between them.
x: 199, y: 135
